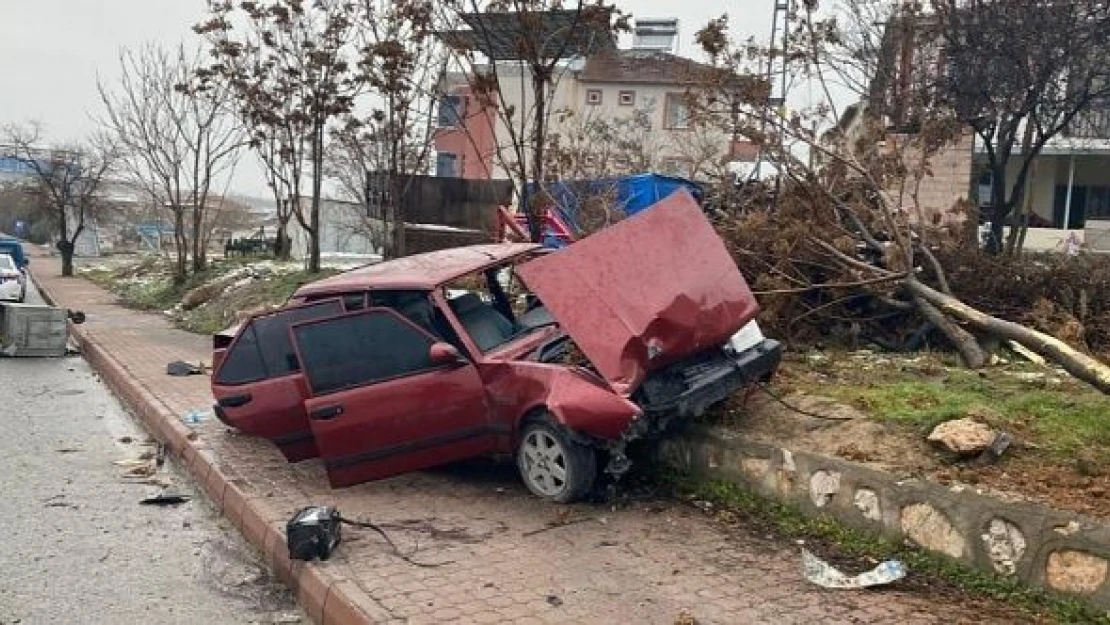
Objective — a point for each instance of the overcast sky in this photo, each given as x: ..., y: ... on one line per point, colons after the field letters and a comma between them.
x: 51, y: 51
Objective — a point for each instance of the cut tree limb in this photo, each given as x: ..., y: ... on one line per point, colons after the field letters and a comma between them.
x: 965, y: 342
x: 1075, y: 362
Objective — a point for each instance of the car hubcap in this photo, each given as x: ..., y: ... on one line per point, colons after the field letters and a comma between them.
x: 545, y: 463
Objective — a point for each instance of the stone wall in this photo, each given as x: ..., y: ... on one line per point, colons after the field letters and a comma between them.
x: 1042, y: 547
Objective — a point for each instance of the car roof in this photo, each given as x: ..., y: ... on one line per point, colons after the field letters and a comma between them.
x: 419, y: 271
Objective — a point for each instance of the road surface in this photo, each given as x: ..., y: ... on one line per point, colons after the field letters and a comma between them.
x: 79, y: 548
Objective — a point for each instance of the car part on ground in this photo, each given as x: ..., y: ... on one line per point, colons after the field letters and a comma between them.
x: 33, y: 331
x: 610, y: 339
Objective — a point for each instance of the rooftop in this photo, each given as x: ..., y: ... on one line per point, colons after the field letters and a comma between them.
x: 420, y: 271
x: 560, y: 34
x: 645, y: 67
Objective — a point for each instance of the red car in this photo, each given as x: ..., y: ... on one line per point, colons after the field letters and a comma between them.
x: 557, y: 358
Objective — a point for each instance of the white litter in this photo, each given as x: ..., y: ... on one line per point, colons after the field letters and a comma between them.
x: 825, y: 575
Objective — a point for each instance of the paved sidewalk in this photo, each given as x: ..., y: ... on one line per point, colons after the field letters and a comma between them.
x: 642, y: 563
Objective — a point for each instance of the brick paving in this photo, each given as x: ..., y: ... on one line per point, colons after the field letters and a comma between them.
x: 645, y: 562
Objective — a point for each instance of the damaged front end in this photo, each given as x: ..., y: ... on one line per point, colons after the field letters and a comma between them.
x: 658, y: 311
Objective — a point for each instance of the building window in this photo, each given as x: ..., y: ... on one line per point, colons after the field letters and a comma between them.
x: 593, y: 96
x: 627, y: 98
x: 676, y: 112
x: 452, y: 109
x: 446, y: 165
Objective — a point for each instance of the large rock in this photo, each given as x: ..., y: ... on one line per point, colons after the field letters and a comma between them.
x: 929, y: 528
x: 963, y: 436
x: 1005, y: 545
x: 201, y: 294
x: 1075, y: 571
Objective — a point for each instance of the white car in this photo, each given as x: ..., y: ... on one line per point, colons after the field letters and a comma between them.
x: 13, y: 283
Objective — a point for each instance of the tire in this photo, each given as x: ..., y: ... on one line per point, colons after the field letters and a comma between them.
x: 552, y: 465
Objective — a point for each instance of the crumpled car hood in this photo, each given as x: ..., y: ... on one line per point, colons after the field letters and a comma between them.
x: 646, y: 292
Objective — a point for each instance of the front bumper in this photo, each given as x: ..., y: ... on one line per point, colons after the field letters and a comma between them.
x: 712, y: 381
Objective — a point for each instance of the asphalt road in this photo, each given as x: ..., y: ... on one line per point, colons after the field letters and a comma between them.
x: 78, y: 546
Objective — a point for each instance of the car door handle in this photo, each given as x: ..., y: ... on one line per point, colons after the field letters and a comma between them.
x: 234, y: 401
x: 323, y: 414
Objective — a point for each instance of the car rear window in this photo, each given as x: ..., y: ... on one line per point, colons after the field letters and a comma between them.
x: 361, y: 349
x: 243, y: 363
x: 276, y: 346
x: 264, y: 349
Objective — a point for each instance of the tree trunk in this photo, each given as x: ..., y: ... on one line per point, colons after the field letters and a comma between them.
x: 63, y: 245
x: 314, y: 210
x: 965, y: 342
x: 396, y: 217
x: 181, y: 247
x: 282, y: 244
x: 198, y: 241
x: 1072, y: 360
x: 66, y: 250
x: 535, y: 210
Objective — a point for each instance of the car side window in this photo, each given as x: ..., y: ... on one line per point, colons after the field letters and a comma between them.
x: 360, y: 349
x: 264, y: 350
x: 272, y: 331
x: 243, y: 363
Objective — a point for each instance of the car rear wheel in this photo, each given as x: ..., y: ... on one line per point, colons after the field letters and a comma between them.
x: 552, y: 465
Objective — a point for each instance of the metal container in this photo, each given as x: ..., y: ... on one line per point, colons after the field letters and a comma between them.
x: 31, y: 330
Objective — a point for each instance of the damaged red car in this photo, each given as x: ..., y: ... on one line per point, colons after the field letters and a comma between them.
x: 556, y: 358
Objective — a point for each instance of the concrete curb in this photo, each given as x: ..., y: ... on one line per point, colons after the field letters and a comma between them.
x: 327, y: 598
x: 1059, y: 551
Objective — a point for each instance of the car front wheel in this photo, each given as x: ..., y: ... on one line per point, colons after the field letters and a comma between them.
x: 552, y: 465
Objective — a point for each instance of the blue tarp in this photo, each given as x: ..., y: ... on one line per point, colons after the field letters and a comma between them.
x: 633, y: 194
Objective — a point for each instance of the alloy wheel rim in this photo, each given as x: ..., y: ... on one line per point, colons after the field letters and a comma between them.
x: 545, y: 463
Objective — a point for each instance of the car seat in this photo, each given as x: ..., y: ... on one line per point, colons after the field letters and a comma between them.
x: 487, y: 327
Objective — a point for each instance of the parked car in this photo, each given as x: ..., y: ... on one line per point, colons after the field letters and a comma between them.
x: 13, y: 282
x: 558, y: 358
x: 14, y: 248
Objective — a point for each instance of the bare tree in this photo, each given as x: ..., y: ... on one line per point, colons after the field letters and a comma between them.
x: 176, y: 143
x: 390, y: 135
x: 593, y: 145
x: 513, y: 55
x: 69, y: 179
x: 1019, y: 73
x: 289, y: 65
x: 357, y: 162
x: 849, y: 223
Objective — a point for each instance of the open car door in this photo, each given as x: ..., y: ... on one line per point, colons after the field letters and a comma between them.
x: 379, y: 403
x: 258, y: 385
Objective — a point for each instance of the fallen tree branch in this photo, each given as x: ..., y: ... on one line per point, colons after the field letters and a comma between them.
x: 964, y: 342
x: 942, y: 278
x: 1075, y: 362
x: 834, y: 285
x: 854, y: 262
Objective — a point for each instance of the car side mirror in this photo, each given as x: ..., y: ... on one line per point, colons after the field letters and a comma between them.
x: 444, y: 354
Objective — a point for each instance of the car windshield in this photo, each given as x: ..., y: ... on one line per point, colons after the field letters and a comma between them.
x: 495, y: 307
x: 6, y: 263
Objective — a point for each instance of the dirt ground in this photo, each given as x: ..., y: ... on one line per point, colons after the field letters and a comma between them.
x: 864, y: 424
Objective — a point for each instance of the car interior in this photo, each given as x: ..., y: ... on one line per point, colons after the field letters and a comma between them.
x: 486, y: 326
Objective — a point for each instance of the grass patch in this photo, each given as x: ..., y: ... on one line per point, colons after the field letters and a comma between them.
x: 836, y: 539
x: 221, y: 311
x: 148, y: 285
x: 1052, y: 410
